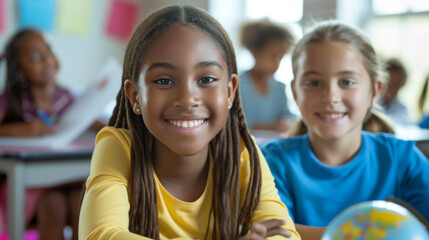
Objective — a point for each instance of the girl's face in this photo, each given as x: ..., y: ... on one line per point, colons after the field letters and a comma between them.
x: 267, y: 59
x: 37, y: 63
x: 184, y: 90
x: 333, y: 90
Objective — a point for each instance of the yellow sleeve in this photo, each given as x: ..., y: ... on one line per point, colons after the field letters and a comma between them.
x: 270, y: 206
x: 104, y: 212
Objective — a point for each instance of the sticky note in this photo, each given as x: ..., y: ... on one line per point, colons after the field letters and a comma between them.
x: 122, y: 18
x: 74, y: 16
x: 2, y: 15
x: 36, y: 13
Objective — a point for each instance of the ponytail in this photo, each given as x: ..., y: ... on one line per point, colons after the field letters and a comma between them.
x: 422, y: 97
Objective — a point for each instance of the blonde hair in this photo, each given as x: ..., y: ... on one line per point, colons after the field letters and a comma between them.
x: 334, y: 31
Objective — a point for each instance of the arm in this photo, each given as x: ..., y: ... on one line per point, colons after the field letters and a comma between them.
x: 415, y: 181
x: 24, y: 129
x: 270, y: 206
x: 105, y: 207
x: 310, y: 233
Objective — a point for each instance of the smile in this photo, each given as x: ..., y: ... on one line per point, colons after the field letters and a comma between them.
x: 331, y: 115
x: 186, y: 123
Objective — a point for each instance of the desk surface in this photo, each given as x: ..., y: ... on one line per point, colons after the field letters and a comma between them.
x: 41, y: 167
x: 79, y: 148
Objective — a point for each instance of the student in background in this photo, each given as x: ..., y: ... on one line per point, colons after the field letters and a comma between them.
x: 336, y: 164
x: 178, y: 160
x: 424, y: 122
x: 263, y: 97
x: 29, y: 107
x: 392, y: 106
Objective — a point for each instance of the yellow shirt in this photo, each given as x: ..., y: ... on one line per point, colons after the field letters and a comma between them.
x: 104, y: 213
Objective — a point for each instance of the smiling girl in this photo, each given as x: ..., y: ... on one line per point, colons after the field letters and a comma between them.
x: 178, y: 160
x: 30, y: 107
x: 336, y: 164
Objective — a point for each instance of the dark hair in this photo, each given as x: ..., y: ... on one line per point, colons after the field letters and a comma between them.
x: 257, y: 34
x: 334, y: 31
x: 231, y: 219
x: 15, y: 85
x: 422, y: 97
x: 397, y: 65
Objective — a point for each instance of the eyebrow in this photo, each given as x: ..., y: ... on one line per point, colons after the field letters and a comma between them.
x: 171, y: 66
x: 161, y: 65
x: 340, y: 73
x: 208, y: 64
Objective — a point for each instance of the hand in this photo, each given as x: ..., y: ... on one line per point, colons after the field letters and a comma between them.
x: 266, y: 229
x: 37, y: 128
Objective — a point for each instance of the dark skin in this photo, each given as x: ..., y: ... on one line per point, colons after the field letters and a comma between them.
x: 184, y: 102
x: 39, y: 66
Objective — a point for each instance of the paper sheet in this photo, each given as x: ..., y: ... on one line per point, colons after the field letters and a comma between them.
x: 81, y: 114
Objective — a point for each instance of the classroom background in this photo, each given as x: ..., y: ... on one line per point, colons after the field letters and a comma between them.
x: 85, y: 33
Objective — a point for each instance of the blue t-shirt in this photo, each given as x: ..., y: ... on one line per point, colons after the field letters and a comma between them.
x: 315, y: 193
x: 263, y: 109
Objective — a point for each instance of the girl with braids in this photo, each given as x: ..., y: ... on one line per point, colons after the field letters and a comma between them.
x: 336, y: 164
x: 178, y: 160
x: 32, y: 90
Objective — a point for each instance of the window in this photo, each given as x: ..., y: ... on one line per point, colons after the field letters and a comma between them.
x: 400, y: 29
x: 276, y: 10
x: 382, y: 7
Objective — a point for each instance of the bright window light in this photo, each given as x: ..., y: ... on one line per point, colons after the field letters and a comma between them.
x: 399, y: 6
x: 390, y: 6
x: 276, y: 10
x: 419, y: 5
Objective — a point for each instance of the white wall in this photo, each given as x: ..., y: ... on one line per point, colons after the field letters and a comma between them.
x: 81, y: 57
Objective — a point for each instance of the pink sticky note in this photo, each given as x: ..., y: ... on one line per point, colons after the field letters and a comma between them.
x: 2, y: 15
x: 122, y: 18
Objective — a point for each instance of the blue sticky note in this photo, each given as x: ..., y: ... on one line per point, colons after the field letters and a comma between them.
x: 37, y: 13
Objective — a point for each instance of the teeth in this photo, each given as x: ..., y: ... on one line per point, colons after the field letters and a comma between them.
x: 332, y: 116
x: 187, y: 124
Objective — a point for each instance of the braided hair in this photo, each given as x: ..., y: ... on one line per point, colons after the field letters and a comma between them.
x: 230, y: 213
x: 15, y: 84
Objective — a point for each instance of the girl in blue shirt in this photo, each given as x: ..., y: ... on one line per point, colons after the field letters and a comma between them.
x: 336, y: 164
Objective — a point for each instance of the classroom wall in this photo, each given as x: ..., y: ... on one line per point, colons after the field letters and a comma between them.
x: 81, y: 57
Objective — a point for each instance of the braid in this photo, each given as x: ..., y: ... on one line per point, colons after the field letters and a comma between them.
x: 15, y: 84
x: 229, y: 210
x: 255, y: 182
x: 114, y: 119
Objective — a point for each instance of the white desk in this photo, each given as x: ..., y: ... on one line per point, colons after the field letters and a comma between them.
x: 23, y: 171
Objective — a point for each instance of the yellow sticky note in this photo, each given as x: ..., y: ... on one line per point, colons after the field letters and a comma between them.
x: 74, y: 16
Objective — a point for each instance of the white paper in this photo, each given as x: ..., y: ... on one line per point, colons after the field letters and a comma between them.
x: 79, y: 116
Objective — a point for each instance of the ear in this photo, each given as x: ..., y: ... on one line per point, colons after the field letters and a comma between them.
x: 378, y: 86
x: 133, y: 96
x: 292, y: 85
x: 232, y: 87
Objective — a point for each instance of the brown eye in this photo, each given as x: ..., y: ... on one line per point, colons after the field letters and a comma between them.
x: 36, y: 57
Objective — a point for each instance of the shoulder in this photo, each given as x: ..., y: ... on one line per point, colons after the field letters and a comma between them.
x: 278, y: 84
x: 62, y: 90
x: 285, y: 144
x: 119, y: 135
x: 277, y: 151
x: 386, y: 139
x: 388, y: 147
x: 112, y: 151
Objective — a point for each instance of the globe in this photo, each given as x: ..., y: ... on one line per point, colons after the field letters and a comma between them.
x: 375, y: 220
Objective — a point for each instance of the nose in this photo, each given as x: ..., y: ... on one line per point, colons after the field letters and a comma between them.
x: 331, y: 94
x: 187, y: 96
